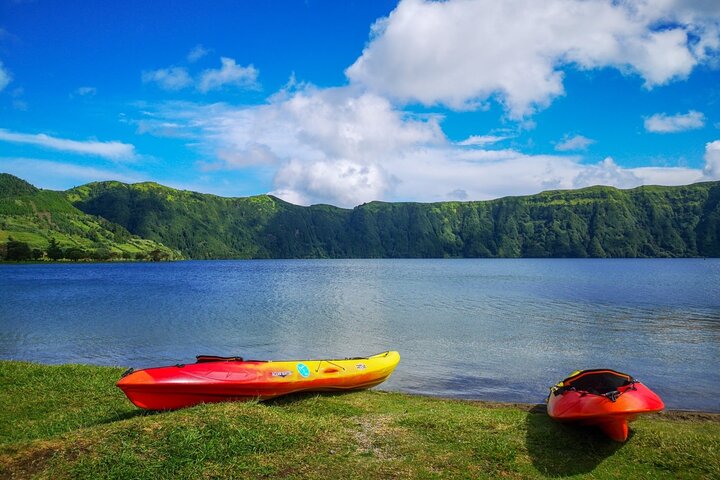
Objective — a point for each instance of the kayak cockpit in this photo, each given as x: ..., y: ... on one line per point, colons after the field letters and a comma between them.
x: 596, y: 382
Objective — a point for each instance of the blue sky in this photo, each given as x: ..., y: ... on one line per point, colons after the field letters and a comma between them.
x: 348, y: 102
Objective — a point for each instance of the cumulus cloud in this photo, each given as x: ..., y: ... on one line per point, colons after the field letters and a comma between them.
x: 574, y: 143
x: 664, y: 123
x: 462, y: 53
x: 172, y: 78
x: 324, y: 146
x: 347, y: 146
x: 712, y: 160
x: 229, y: 73
x: 109, y: 150
x: 606, y: 172
x: 251, y: 154
x: 341, y: 182
x: 5, y: 77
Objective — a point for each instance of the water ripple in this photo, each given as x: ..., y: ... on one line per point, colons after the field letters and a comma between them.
x: 490, y: 329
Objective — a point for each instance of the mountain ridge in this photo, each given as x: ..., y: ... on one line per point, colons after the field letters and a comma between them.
x: 597, y: 221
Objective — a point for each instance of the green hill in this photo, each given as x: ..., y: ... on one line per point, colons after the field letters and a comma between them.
x: 37, y: 224
x: 591, y: 222
x: 138, y: 219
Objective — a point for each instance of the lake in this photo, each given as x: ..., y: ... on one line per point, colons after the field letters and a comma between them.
x: 473, y: 328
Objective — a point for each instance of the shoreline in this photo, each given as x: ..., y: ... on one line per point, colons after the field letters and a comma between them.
x: 671, y: 413
x: 234, y: 259
x: 71, y: 421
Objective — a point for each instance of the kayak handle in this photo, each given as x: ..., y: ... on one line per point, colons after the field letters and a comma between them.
x: 612, y: 396
x: 331, y: 363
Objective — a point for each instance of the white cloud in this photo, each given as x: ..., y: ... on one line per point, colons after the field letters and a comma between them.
x: 109, y: 150
x: 253, y: 154
x: 574, y: 143
x: 161, y: 128
x: 462, y: 53
x: 606, y: 172
x: 85, y: 91
x: 5, y: 77
x: 667, y: 175
x: 664, y: 123
x: 60, y: 175
x: 712, y: 160
x: 229, y: 74
x: 172, y: 78
x: 323, y: 145
x: 478, y: 140
x: 341, y: 182
x: 197, y: 53
x: 346, y: 146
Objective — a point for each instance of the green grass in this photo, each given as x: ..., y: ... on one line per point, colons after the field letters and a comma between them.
x: 70, y: 421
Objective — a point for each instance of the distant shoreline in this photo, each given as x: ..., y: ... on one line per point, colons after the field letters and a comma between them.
x: 183, y: 260
x: 104, y: 220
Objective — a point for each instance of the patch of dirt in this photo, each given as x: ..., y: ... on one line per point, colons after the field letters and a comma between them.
x: 34, y: 459
x: 29, y: 462
x: 47, y: 217
x: 372, y: 427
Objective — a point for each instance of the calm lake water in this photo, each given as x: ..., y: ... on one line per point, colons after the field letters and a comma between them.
x: 481, y: 329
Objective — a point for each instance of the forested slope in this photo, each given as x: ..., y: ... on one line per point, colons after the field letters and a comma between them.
x: 592, y: 222
x: 37, y: 224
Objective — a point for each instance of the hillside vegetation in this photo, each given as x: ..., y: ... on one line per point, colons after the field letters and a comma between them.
x: 147, y: 220
x: 592, y: 222
x: 70, y: 421
x: 37, y: 224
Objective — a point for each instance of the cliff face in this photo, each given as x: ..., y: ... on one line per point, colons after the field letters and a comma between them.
x: 135, y: 220
x: 592, y: 222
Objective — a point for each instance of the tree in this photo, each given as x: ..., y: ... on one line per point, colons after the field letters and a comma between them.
x: 75, y: 253
x: 18, y: 251
x: 158, y: 255
x: 101, y: 253
x: 54, y: 251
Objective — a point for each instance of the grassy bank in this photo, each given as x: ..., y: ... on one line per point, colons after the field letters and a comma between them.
x: 71, y: 421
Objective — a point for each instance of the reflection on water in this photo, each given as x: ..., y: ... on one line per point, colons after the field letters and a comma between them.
x: 485, y: 329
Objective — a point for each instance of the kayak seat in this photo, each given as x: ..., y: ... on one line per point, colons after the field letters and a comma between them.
x: 214, y: 358
x: 598, y: 382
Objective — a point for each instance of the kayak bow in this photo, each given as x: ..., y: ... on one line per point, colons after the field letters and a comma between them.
x: 602, y: 398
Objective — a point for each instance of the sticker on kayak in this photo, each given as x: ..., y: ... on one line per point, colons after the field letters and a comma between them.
x: 303, y: 370
x: 284, y: 373
x: 360, y: 366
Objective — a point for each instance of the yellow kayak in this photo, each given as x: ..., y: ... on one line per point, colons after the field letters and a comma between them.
x: 219, y: 379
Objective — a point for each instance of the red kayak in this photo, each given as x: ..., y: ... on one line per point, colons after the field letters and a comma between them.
x: 220, y: 379
x: 602, y: 398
